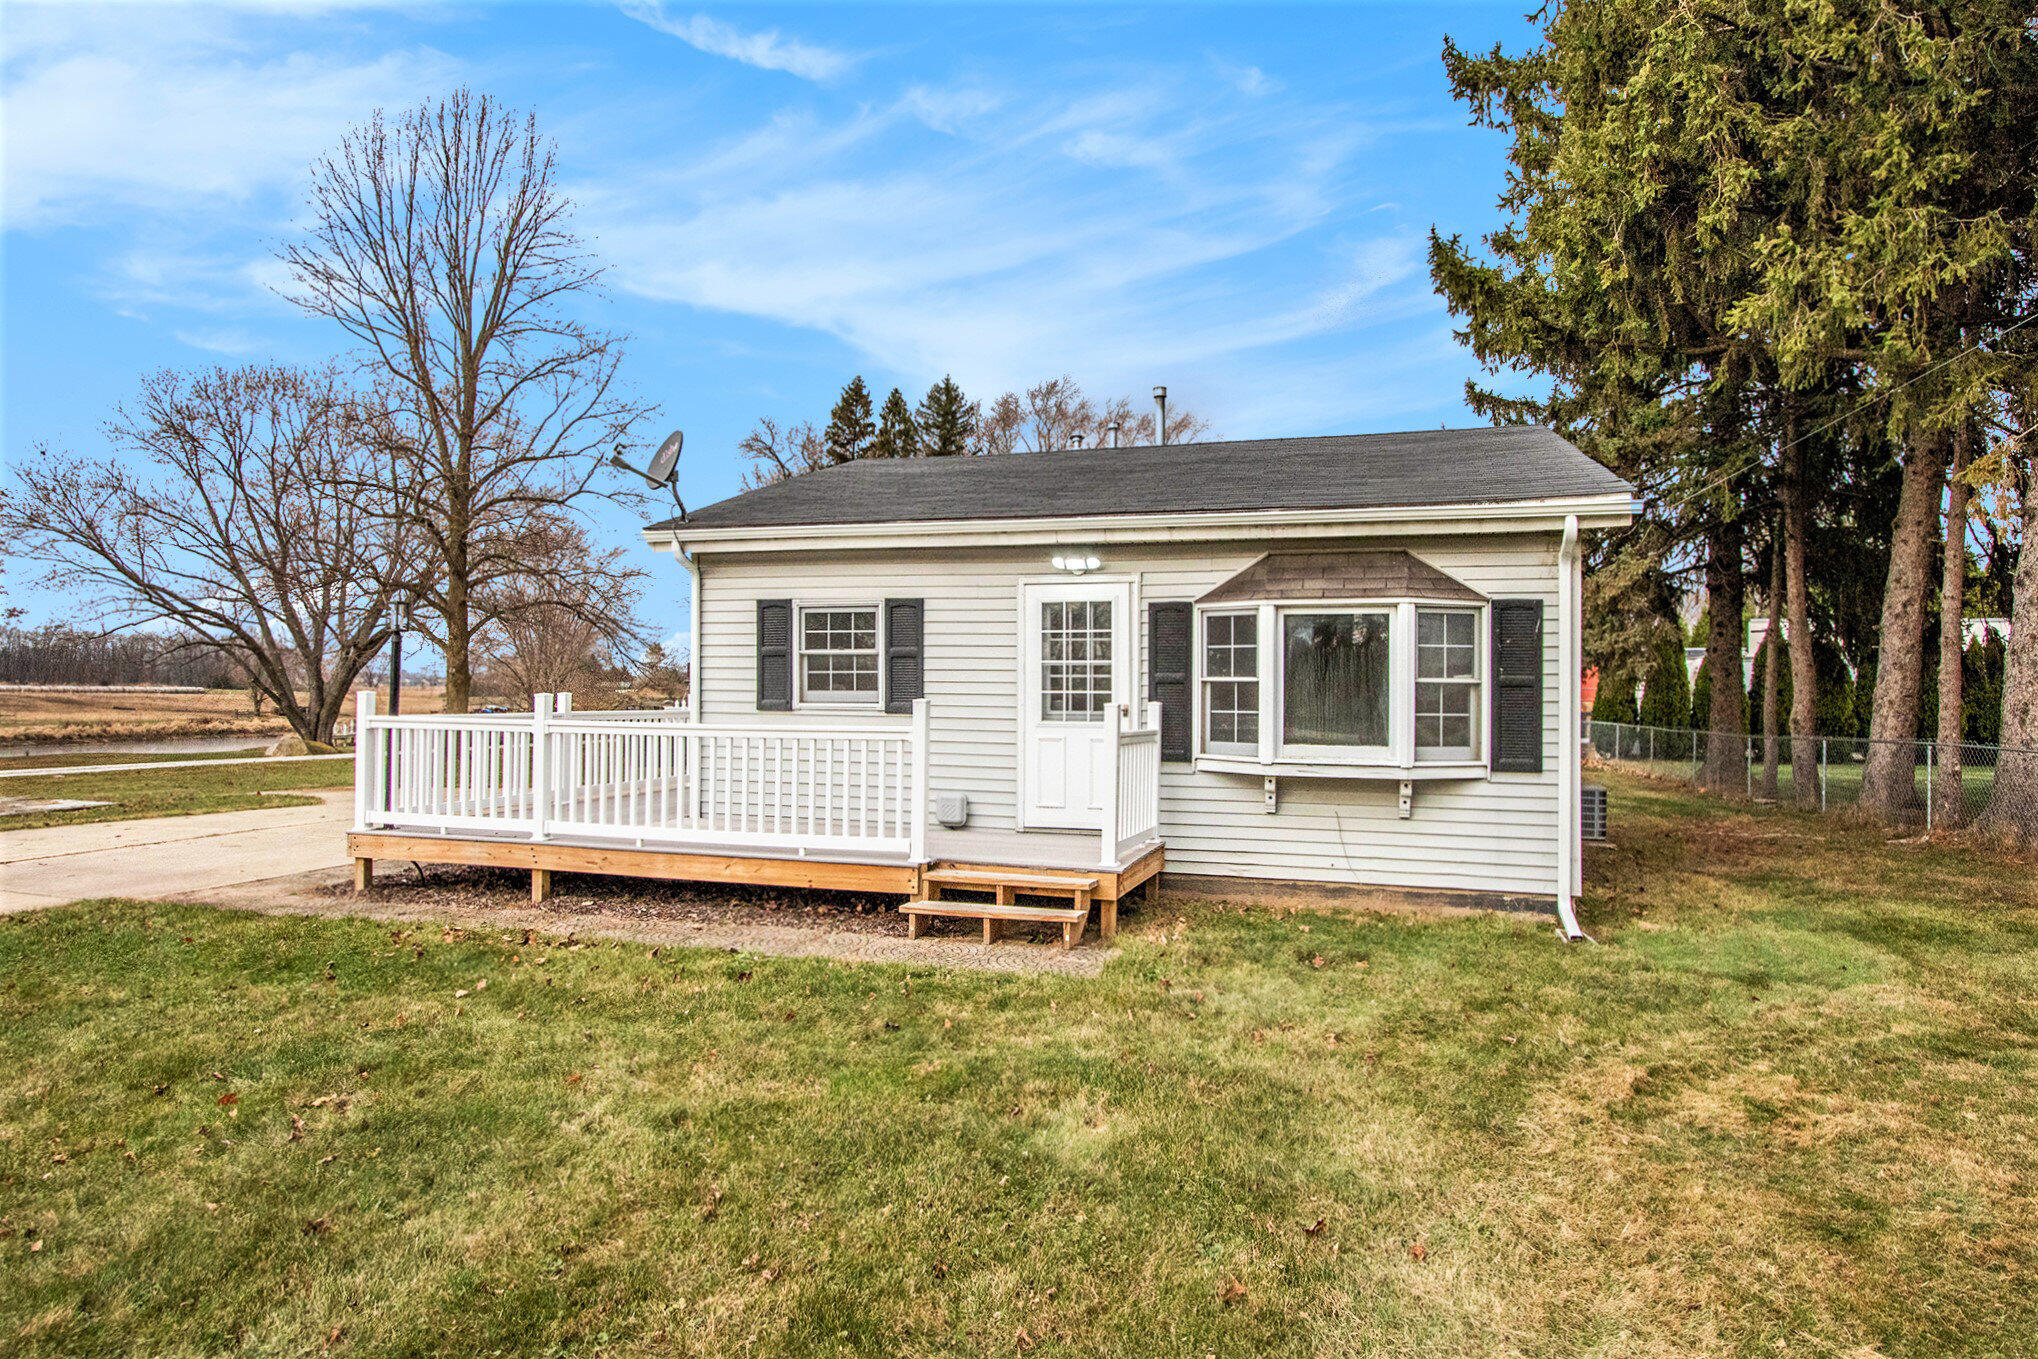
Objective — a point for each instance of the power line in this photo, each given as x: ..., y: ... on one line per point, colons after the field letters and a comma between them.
x: 1730, y: 473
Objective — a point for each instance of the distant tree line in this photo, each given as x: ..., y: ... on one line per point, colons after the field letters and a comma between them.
x: 60, y: 654
x: 946, y: 423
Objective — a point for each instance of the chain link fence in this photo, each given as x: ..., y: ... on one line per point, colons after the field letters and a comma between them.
x: 1835, y: 763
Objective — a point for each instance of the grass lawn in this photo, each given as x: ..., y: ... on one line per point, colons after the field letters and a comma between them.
x: 1785, y: 1106
x: 98, y: 757
x: 174, y: 792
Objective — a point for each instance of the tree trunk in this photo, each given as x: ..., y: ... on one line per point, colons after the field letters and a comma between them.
x: 1726, y: 746
x: 1804, y: 684
x: 1772, y: 644
x: 459, y: 649
x: 1889, y: 776
x: 1948, y: 794
x: 2013, y: 802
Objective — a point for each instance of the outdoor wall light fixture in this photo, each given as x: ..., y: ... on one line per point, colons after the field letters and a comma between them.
x: 1077, y: 563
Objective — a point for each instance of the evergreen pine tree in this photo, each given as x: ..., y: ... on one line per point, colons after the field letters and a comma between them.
x: 896, y: 436
x: 945, y: 421
x: 1666, y: 690
x: 850, y: 433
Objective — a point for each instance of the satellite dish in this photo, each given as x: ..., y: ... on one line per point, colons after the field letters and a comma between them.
x: 664, y: 470
x: 665, y: 462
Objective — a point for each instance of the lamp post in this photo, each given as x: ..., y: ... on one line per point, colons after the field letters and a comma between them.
x: 399, y: 615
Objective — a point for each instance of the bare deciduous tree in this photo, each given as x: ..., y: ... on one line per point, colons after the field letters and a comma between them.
x: 564, y: 624
x: 262, y: 527
x: 775, y: 454
x: 442, y: 244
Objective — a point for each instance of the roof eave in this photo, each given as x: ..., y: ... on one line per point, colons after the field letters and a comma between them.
x: 1612, y: 509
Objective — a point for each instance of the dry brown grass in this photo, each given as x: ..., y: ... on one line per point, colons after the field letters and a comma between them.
x: 75, y: 715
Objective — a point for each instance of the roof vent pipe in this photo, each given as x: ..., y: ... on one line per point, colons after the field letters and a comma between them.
x: 1115, y: 426
x: 1160, y: 398
x: 1075, y: 441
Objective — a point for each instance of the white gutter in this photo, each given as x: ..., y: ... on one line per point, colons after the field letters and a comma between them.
x: 1519, y: 516
x: 1568, y: 773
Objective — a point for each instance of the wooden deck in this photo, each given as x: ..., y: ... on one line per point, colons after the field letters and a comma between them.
x: 835, y: 870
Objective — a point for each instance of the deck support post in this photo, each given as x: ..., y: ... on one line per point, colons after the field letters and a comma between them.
x: 1107, y: 918
x: 364, y: 875
x: 541, y: 885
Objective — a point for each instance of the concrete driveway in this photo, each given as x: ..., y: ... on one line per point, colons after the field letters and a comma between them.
x: 171, y: 855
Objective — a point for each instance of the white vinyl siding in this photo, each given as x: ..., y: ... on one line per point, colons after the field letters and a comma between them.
x: 1494, y: 833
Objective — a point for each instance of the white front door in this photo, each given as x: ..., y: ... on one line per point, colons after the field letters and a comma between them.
x: 1075, y: 661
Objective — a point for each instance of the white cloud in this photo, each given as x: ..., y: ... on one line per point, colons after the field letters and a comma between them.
x: 141, y: 117
x: 229, y: 341
x: 1128, y: 235
x: 768, y: 50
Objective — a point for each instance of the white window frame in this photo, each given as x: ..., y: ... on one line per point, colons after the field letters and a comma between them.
x: 1475, y: 684
x: 1384, y: 753
x: 1204, y: 681
x: 875, y: 701
x: 1396, y: 759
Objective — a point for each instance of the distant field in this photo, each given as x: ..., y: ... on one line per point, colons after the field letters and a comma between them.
x: 76, y: 715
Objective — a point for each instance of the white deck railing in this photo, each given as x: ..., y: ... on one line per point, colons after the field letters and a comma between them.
x: 1132, y: 811
x: 650, y: 779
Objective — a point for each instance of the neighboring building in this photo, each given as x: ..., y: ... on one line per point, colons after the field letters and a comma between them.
x: 1364, y: 651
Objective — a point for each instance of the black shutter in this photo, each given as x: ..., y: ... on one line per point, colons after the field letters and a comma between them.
x: 905, y: 648
x: 774, y: 655
x: 1518, y: 686
x: 1170, y: 630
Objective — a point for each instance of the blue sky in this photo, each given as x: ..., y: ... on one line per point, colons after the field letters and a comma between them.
x: 1231, y: 201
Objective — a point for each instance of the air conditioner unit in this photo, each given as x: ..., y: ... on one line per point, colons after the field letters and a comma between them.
x: 1592, y: 812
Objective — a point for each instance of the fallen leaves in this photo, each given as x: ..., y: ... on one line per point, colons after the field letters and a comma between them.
x: 296, y: 1128
x: 229, y: 1099
x: 1418, y: 1252
x: 1233, y: 1294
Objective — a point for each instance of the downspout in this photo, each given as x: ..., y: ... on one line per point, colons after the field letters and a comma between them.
x: 1568, y: 604
x: 693, y: 624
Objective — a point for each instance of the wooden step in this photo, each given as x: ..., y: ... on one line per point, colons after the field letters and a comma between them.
x: 991, y: 911
x: 1073, y: 920
x: 977, y: 877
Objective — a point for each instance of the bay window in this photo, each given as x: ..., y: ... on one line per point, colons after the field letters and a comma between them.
x: 1387, y: 684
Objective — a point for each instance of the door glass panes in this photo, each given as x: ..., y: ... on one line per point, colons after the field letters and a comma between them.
x: 1336, y: 679
x: 1075, y: 660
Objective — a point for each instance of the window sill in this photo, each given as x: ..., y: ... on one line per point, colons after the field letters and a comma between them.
x: 1318, y: 769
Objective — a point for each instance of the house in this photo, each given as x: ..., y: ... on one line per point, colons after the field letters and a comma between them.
x: 1349, y: 660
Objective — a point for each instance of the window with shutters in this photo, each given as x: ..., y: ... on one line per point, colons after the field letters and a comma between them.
x: 838, y: 655
x: 1361, y: 685
x: 1447, y: 706
x: 1231, y: 682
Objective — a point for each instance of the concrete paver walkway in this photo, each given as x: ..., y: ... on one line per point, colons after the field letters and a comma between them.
x: 170, y: 855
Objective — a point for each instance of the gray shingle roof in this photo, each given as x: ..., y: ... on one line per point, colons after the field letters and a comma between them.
x: 1338, y: 471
